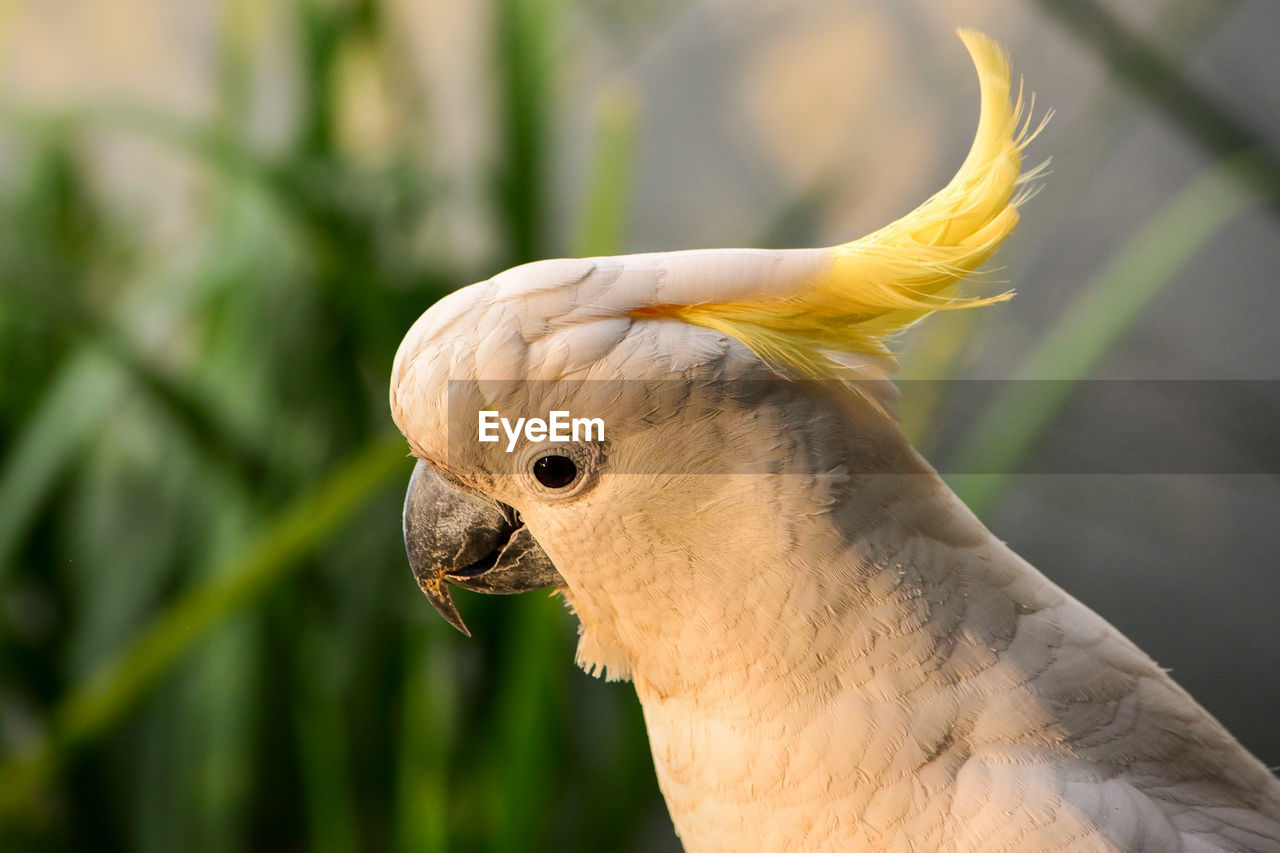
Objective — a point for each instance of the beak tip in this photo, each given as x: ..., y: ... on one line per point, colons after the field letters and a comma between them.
x: 438, y: 594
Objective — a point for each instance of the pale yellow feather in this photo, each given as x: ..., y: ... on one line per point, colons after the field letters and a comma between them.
x: 882, y: 283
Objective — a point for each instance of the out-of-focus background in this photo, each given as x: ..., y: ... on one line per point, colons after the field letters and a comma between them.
x: 218, y: 218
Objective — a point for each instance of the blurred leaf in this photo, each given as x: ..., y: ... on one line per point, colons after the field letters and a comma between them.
x: 1160, y: 81
x: 324, y: 750
x: 215, y: 148
x: 937, y: 347
x: 933, y: 355
x: 73, y: 406
x: 604, y: 217
x: 527, y: 723
x: 308, y: 521
x: 1108, y: 305
x: 526, y: 43
x: 428, y: 723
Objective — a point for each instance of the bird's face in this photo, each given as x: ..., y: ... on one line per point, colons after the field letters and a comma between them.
x: 659, y: 521
x: 672, y: 332
x: 644, y: 468
x: 707, y: 512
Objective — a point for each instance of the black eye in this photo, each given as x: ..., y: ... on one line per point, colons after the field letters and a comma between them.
x: 555, y: 472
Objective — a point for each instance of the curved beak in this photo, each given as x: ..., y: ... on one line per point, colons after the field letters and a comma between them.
x: 461, y: 538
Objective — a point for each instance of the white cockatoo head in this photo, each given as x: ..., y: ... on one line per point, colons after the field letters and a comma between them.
x: 718, y: 380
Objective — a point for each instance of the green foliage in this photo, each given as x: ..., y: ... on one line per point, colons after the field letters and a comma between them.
x: 209, y: 638
x: 1107, y: 306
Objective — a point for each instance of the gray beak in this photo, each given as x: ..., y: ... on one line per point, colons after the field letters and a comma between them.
x: 461, y: 538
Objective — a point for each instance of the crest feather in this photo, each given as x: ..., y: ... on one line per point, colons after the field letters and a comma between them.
x: 884, y: 282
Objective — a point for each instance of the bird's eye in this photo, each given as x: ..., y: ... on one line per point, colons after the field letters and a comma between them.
x: 555, y: 472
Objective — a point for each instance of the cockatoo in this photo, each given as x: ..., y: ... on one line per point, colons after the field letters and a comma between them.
x: 831, y: 651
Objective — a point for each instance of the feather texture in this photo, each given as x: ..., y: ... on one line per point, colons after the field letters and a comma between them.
x: 878, y: 285
x: 831, y: 651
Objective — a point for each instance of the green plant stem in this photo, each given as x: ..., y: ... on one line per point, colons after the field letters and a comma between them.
x: 604, y: 216
x: 93, y: 708
x: 70, y: 410
x: 429, y: 722
x: 1159, y: 81
x: 526, y: 33
x: 529, y: 703
x: 1108, y: 305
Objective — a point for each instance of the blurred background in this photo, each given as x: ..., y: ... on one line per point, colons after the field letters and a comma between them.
x: 218, y: 218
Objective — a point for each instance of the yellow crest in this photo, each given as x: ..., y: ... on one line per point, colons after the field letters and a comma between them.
x: 884, y: 282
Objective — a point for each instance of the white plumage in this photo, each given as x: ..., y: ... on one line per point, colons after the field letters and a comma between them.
x: 831, y: 651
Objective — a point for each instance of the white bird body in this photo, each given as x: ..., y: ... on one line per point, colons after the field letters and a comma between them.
x: 831, y: 651
x: 911, y: 685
